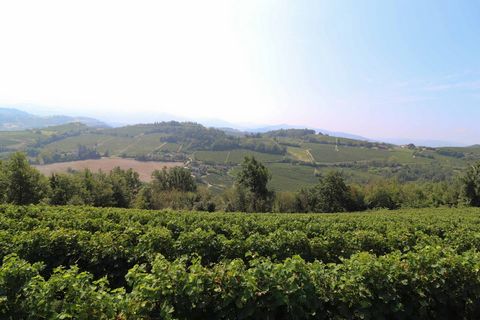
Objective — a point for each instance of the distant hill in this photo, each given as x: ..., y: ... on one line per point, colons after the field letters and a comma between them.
x: 14, y: 120
x: 233, y: 132
x: 323, y: 131
x: 424, y: 142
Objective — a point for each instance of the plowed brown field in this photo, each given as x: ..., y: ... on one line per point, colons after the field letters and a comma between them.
x: 144, y: 168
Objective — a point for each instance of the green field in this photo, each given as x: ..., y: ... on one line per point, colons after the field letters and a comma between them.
x: 142, y: 144
x: 20, y: 138
x: 212, y: 156
x: 287, y: 177
x: 105, y: 263
x: 71, y: 143
x: 300, y: 154
x: 328, y: 153
x: 235, y: 156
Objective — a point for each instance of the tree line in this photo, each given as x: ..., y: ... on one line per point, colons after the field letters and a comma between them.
x: 176, y: 188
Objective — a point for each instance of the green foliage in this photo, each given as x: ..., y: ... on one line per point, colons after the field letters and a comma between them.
x: 432, y: 283
x: 103, y: 240
x: 291, y: 133
x: 176, y: 178
x: 390, y: 194
x: 99, y: 190
x: 254, y: 176
x: 125, y: 186
x: 71, y: 294
x: 22, y: 184
x: 383, y: 195
x: 66, y: 189
x: 285, y: 202
x: 119, y: 188
x: 471, y: 185
x: 81, y: 153
x: 176, y: 188
x: 331, y: 194
x: 144, y: 199
x: 64, y: 263
x: 252, y: 180
x: 393, y: 286
x: 15, y: 274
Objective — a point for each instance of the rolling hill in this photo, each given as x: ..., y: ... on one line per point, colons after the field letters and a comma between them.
x: 294, y: 156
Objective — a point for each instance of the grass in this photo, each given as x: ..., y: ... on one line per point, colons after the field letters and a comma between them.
x: 234, y: 156
x: 143, y: 144
x: 219, y: 181
x: 211, y: 156
x: 71, y: 143
x: 18, y: 138
x: 300, y: 154
x: 328, y: 153
x: 290, y: 177
x: 237, y: 156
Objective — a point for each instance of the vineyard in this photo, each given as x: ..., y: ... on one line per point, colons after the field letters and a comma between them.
x: 98, y: 263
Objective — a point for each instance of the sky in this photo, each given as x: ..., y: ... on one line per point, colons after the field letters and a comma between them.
x: 380, y: 69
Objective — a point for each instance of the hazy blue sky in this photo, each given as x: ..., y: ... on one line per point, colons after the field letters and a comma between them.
x: 375, y: 68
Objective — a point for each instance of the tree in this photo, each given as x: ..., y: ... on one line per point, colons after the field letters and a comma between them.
x: 384, y: 194
x: 254, y: 177
x: 285, y: 202
x: 170, y: 188
x: 125, y: 186
x: 471, y: 185
x: 3, y: 182
x: 65, y: 187
x: 23, y: 184
x: 177, y: 178
x: 331, y: 194
x: 98, y: 189
x: 144, y: 199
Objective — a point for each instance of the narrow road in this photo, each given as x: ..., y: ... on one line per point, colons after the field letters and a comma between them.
x: 227, y: 157
x: 312, y: 159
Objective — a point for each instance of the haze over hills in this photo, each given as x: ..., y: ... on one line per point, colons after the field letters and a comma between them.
x: 13, y: 119
x: 16, y: 119
x: 424, y: 142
